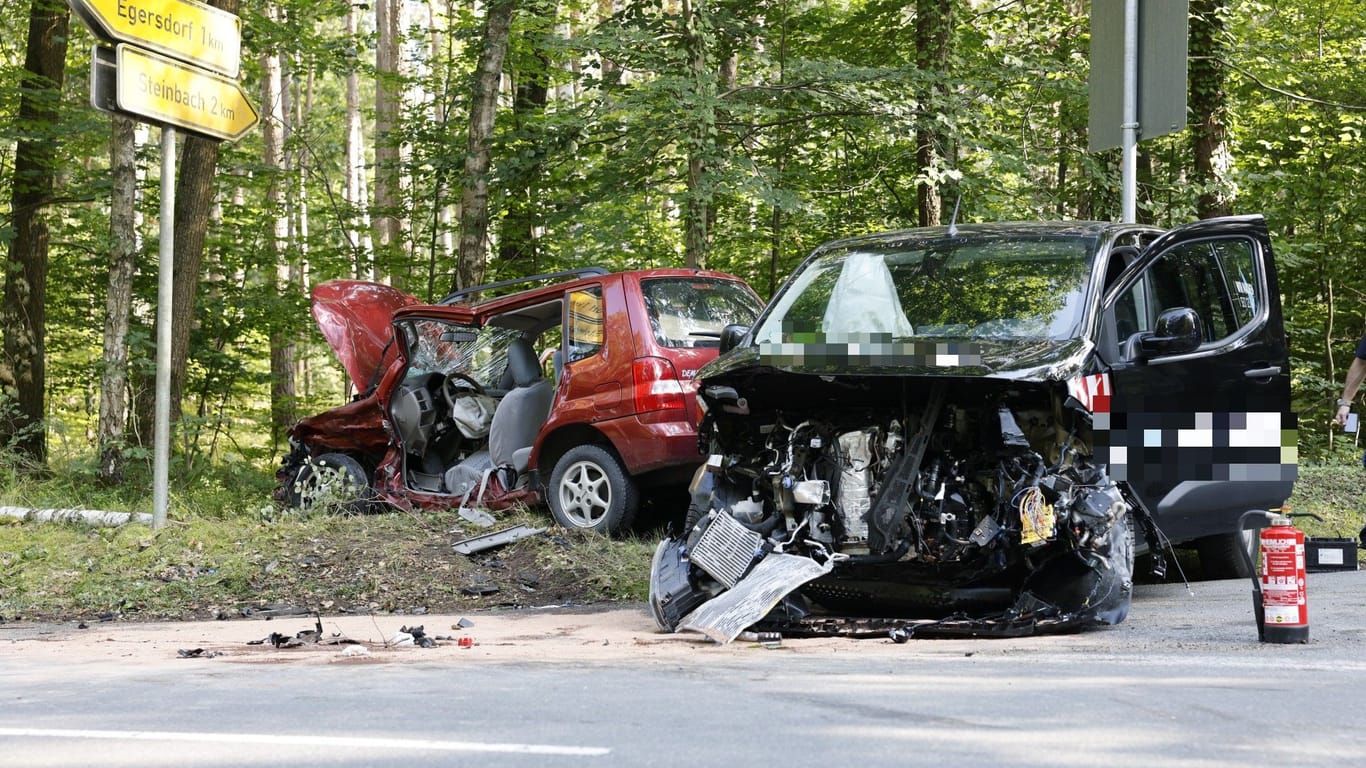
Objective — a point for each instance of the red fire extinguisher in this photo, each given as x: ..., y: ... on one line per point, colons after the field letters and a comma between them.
x: 1280, y: 598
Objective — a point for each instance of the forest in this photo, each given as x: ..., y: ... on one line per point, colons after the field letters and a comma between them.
x: 435, y: 144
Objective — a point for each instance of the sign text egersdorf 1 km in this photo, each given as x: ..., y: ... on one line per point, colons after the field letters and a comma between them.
x: 182, y: 29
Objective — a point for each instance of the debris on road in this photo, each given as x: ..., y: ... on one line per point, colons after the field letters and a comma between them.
x: 313, y: 636
x: 414, y: 636
x: 197, y: 653
x: 272, y: 611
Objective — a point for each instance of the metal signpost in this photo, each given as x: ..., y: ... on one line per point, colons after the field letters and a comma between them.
x: 1138, y: 80
x: 174, y: 63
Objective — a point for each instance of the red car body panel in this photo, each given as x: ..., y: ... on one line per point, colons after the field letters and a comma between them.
x: 599, y: 390
x: 356, y: 318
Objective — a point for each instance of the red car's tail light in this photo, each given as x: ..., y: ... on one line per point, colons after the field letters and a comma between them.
x: 657, y: 387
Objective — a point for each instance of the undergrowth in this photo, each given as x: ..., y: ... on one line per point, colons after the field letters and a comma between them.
x: 228, y: 550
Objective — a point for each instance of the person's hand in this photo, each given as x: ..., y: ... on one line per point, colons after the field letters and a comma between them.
x: 1341, y: 416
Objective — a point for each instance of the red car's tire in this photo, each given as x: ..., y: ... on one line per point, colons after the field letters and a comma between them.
x: 591, y: 490
x: 334, y: 479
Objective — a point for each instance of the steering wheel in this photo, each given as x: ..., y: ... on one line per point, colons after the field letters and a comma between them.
x: 455, y: 384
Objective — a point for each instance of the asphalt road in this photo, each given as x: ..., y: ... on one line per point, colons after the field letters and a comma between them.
x: 1183, y: 682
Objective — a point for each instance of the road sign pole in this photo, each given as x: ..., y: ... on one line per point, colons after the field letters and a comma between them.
x: 165, y: 297
x: 191, y: 84
x: 1129, y: 127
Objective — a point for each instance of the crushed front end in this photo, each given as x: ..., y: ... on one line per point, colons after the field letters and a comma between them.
x: 950, y: 505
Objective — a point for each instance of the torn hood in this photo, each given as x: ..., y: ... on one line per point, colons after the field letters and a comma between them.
x: 356, y: 318
x: 1035, y: 360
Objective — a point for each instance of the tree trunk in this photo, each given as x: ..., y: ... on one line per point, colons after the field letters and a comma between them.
x: 701, y: 138
x: 517, y: 234
x: 441, y: 244
x: 123, y: 248
x: 197, y: 165
x: 1143, y: 187
x: 23, y: 315
x: 355, y: 190
x: 388, y: 91
x: 933, y: 25
x: 474, y: 207
x: 1209, y: 104
x: 274, y: 99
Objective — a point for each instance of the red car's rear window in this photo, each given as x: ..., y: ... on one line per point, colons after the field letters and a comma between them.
x: 690, y: 312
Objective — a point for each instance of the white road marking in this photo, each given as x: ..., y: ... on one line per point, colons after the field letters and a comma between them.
x: 310, y: 741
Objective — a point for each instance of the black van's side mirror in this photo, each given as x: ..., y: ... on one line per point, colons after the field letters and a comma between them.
x: 1177, y: 332
x: 731, y: 335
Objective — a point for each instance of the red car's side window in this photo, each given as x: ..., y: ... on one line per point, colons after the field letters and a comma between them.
x: 584, y: 333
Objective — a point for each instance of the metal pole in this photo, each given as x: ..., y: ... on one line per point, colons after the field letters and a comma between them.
x: 1129, y: 128
x: 165, y: 272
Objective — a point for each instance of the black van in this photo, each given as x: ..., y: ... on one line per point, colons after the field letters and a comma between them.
x: 979, y: 420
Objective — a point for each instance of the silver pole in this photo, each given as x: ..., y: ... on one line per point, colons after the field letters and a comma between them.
x: 1129, y: 163
x: 165, y: 273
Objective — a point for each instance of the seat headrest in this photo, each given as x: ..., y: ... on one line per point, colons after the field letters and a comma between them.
x: 526, y: 369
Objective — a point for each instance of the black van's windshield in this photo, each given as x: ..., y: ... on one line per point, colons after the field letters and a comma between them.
x: 1031, y: 288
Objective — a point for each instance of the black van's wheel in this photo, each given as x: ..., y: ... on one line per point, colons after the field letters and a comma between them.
x: 334, y: 479
x: 590, y: 489
x: 1220, y: 557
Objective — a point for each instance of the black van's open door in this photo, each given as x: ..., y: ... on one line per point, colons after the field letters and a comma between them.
x: 1200, y: 427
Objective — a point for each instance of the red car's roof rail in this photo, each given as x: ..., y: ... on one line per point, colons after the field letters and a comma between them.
x: 575, y: 274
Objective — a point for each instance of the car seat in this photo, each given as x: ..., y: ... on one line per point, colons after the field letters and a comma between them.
x: 516, y: 421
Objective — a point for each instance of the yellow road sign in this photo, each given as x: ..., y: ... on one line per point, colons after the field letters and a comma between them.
x: 182, y: 29
x: 168, y: 91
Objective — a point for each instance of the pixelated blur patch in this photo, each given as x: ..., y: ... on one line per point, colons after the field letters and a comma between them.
x: 870, y: 349
x: 1233, y: 446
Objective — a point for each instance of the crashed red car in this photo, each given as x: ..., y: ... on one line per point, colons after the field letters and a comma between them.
x: 577, y: 391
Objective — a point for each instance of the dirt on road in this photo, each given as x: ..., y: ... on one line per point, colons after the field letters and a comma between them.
x: 1166, y: 618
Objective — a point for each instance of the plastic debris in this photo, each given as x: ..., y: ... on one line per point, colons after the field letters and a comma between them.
x: 477, y: 516
x: 197, y: 653
x: 496, y: 539
x: 419, y: 635
x: 312, y: 636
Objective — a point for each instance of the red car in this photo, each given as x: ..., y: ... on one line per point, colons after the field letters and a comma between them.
x: 578, y: 391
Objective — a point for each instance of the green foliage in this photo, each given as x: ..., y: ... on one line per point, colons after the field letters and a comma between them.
x: 810, y: 136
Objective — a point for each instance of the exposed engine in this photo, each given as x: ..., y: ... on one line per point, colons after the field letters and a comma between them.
x: 929, y: 502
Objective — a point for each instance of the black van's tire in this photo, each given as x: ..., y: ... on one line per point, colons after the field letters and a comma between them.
x: 591, y: 490
x: 332, y: 478
x: 1220, y: 557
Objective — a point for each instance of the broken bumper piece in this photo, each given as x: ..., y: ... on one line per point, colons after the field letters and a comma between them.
x: 724, y: 617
